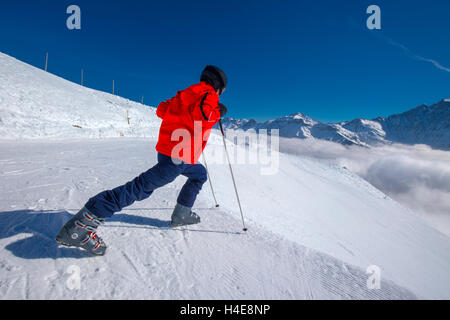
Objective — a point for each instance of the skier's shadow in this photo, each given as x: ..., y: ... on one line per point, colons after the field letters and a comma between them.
x: 153, y: 223
x: 139, y: 220
x: 35, y: 232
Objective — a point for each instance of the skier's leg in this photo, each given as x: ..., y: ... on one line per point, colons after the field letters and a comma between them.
x: 197, y: 176
x: 105, y: 204
x: 80, y: 231
x: 183, y: 214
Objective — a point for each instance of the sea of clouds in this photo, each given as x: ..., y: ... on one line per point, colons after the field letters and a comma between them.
x: 416, y: 176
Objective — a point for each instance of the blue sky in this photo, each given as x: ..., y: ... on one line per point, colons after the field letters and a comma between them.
x: 281, y: 57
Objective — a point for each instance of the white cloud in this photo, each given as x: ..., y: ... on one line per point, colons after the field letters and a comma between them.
x: 434, y: 62
x: 416, y: 56
x: 417, y: 176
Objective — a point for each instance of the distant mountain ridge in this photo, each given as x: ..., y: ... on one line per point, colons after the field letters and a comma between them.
x: 424, y: 124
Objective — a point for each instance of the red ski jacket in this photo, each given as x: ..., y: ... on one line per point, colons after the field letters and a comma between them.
x: 187, y: 122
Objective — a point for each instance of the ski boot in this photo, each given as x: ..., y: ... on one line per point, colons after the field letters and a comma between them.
x: 183, y: 216
x: 80, y: 232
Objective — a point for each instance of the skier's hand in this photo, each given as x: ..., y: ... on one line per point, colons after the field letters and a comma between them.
x: 223, y: 110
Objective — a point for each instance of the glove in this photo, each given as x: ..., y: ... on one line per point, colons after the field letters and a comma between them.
x: 223, y: 110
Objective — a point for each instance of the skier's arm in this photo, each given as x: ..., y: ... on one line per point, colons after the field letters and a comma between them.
x: 162, y: 108
x: 207, y: 111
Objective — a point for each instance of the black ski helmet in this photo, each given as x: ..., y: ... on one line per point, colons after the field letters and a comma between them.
x: 215, y: 77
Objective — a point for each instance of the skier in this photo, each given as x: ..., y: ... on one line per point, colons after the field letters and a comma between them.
x: 187, y: 120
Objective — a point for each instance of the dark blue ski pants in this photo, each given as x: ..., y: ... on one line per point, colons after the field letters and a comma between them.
x: 106, y: 203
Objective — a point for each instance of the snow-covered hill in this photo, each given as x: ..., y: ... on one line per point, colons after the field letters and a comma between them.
x: 314, y: 229
x: 36, y: 104
x: 428, y: 125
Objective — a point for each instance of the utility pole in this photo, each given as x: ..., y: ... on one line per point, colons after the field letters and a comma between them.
x: 113, y: 87
x: 142, y: 100
x: 46, y: 61
x: 81, y: 77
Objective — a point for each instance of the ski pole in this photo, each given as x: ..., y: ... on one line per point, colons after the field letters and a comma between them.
x: 232, y: 175
x: 209, y: 178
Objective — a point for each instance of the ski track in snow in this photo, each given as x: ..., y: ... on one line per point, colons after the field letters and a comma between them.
x: 146, y: 259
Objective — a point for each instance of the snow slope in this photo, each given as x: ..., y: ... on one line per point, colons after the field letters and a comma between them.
x: 313, y: 229
x: 148, y: 260
x: 36, y: 104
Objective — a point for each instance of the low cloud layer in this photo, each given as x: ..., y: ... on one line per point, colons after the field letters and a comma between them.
x: 417, y: 176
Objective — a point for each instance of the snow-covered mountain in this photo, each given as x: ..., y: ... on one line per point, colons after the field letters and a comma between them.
x: 298, y: 125
x: 428, y: 125
x: 316, y: 231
